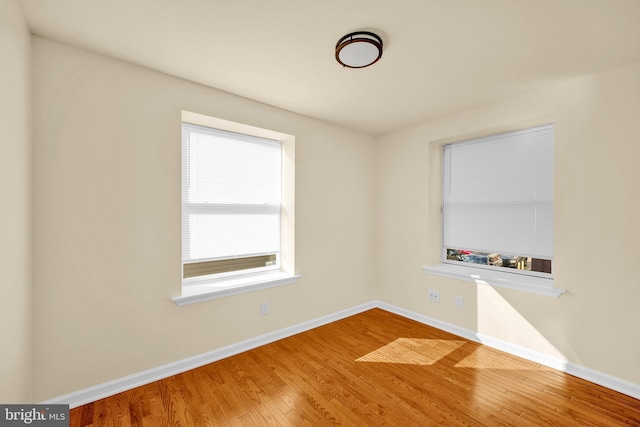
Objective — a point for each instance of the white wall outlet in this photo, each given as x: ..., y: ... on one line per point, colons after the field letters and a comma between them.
x: 264, y: 308
x: 459, y: 302
x: 434, y: 295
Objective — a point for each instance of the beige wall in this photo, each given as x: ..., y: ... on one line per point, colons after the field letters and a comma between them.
x: 107, y: 221
x: 15, y: 215
x: 596, y: 228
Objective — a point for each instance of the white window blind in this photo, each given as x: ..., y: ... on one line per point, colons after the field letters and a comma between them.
x: 231, y: 188
x: 498, y: 193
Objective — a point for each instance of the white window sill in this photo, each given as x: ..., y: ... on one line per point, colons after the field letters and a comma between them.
x: 220, y: 288
x: 519, y: 282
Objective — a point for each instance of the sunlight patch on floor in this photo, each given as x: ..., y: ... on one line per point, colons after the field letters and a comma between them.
x: 412, y: 351
x: 489, y: 358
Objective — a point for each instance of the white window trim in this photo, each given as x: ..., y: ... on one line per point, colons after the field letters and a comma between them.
x: 228, y: 286
x: 214, y: 288
x: 482, y: 276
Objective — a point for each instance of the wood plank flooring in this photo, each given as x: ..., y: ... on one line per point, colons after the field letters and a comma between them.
x: 372, y: 369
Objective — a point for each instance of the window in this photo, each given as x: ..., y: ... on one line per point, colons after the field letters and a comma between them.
x: 497, y: 205
x: 238, y: 208
x: 231, y: 192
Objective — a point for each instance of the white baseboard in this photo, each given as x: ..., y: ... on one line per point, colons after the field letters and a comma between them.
x: 119, y: 385
x: 100, y: 391
x: 596, y: 377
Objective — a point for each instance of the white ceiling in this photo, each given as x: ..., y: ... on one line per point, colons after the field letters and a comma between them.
x: 440, y: 56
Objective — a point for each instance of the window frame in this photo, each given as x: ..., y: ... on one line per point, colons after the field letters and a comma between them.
x: 228, y: 208
x: 224, y: 284
x: 526, y: 281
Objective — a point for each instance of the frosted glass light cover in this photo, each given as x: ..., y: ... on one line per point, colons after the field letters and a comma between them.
x: 359, y: 49
x: 359, y: 54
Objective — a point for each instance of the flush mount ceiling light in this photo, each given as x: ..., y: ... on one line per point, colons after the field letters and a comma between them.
x: 359, y: 49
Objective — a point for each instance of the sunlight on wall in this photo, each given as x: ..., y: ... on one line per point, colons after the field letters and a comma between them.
x: 498, y: 319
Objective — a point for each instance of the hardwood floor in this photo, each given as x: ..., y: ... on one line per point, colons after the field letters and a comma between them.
x: 371, y: 369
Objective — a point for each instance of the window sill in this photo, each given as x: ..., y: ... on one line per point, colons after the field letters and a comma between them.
x: 519, y: 282
x: 205, y: 291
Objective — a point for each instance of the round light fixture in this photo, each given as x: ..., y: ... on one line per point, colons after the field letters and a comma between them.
x: 359, y: 49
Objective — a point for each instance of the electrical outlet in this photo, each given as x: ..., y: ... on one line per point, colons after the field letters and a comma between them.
x: 459, y: 302
x: 264, y: 308
x: 434, y: 295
